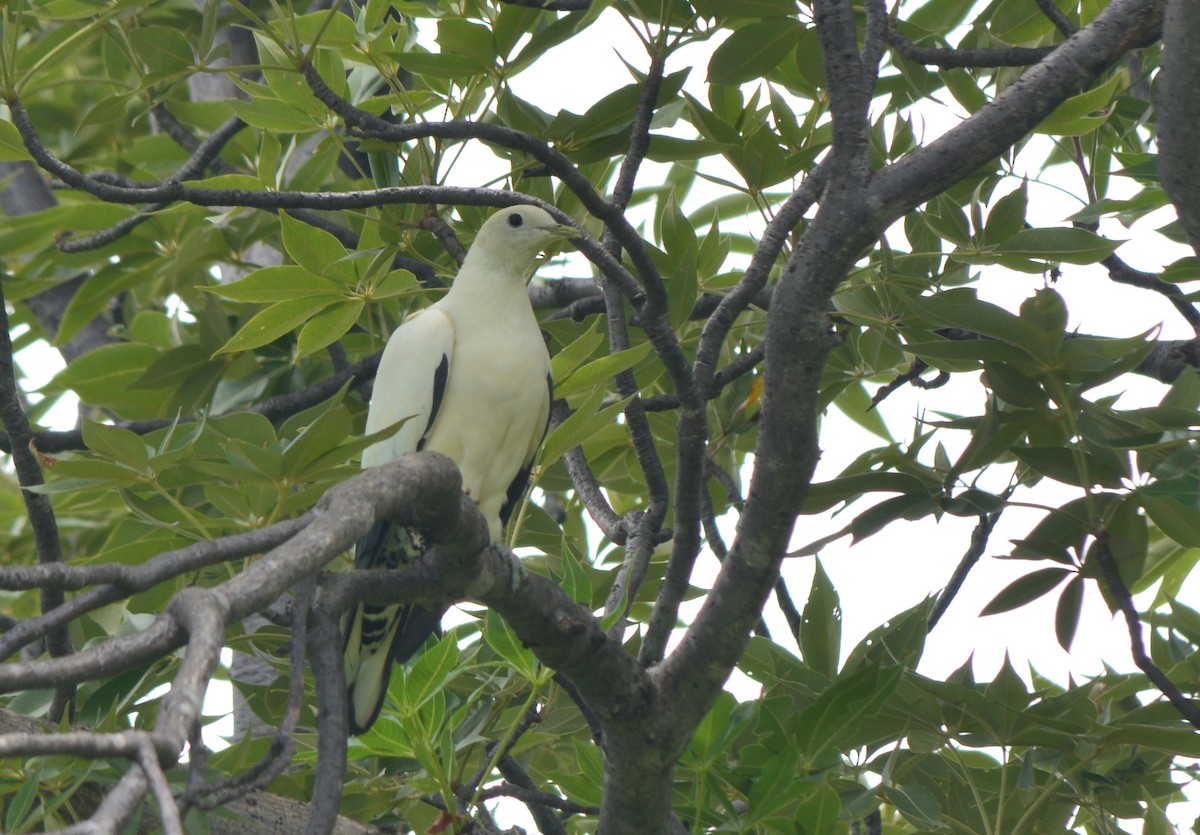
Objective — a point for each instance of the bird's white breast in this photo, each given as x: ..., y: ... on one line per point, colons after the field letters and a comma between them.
x: 495, y: 405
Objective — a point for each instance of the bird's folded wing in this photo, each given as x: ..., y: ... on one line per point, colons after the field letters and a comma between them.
x: 409, y: 384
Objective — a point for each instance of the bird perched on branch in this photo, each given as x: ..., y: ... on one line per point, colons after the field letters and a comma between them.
x: 471, y: 375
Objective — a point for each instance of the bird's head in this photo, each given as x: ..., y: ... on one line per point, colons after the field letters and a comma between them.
x: 518, y: 234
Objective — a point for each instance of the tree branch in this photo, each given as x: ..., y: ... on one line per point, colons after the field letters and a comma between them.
x: 1121, y: 26
x: 1187, y: 708
x: 943, y: 58
x: 1178, y: 103
x: 37, y: 505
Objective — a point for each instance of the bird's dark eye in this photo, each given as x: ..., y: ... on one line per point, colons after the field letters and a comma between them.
x: 515, y: 220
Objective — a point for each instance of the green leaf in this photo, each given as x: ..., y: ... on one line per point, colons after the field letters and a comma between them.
x: 268, y: 325
x: 833, y: 719
x: 573, y: 355
x: 328, y: 326
x: 754, y: 50
x: 471, y: 40
x: 820, y: 812
x: 117, y: 443
x: 20, y: 803
x: 601, y: 370
x: 439, y: 65
x: 1175, y: 519
x: 175, y: 368
x: 1106, y: 468
x: 506, y: 644
x: 915, y: 802
x: 1058, y: 245
x: 1085, y: 112
x: 1026, y: 589
x: 1066, y: 614
x: 1007, y: 217
x: 577, y: 582
x: 898, y: 641
x: 310, y: 247
x: 164, y: 49
x: 961, y: 308
x: 12, y: 147
x: 429, y: 675
x: 587, y: 420
x: 276, y: 284
x: 272, y: 114
x: 105, y: 376
x: 821, y: 625
x: 825, y: 494
x: 774, y: 790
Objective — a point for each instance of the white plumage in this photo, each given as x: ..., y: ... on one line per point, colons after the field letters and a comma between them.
x: 472, y: 375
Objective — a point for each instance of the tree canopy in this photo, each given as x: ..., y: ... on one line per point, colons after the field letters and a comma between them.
x: 216, y: 212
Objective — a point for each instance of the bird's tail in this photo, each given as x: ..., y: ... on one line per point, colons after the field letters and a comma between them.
x: 376, y: 636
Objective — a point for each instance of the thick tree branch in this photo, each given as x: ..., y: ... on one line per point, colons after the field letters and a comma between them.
x: 799, y: 338
x: 1123, y: 25
x: 1178, y: 103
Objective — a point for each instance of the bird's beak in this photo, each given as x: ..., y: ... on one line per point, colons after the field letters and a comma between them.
x: 559, y: 234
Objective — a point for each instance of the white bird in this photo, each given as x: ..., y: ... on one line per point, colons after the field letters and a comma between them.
x: 471, y: 375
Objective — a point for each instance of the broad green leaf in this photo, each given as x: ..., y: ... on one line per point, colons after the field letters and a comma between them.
x: 754, y: 50
x: 276, y: 284
x: 116, y: 443
x: 273, y: 322
x: 825, y: 494
x: 1177, y: 520
x: 587, y: 420
x: 12, y: 147
x: 1085, y: 112
x: 1071, y: 466
x: 820, y: 812
x: 961, y: 308
x: 821, y: 625
x: 430, y: 673
x: 899, y: 641
x: 601, y: 370
x: 312, y: 248
x: 1065, y: 245
x: 164, y: 49
x: 915, y: 802
x: 1066, y: 613
x: 1026, y: 589
x: 20, y: 803
x: 572, y: 356
x: 440, y: 65
x: 273, y: 114
x: 472, y: 40
x: 774, y: 790
x: 328, y: 326
x: 833, y: 719
x: 104, y: 376
x: 506, y: 644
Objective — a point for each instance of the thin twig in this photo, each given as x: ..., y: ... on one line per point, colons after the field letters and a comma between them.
x: 979, y: 541
x: 1064, y: 26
